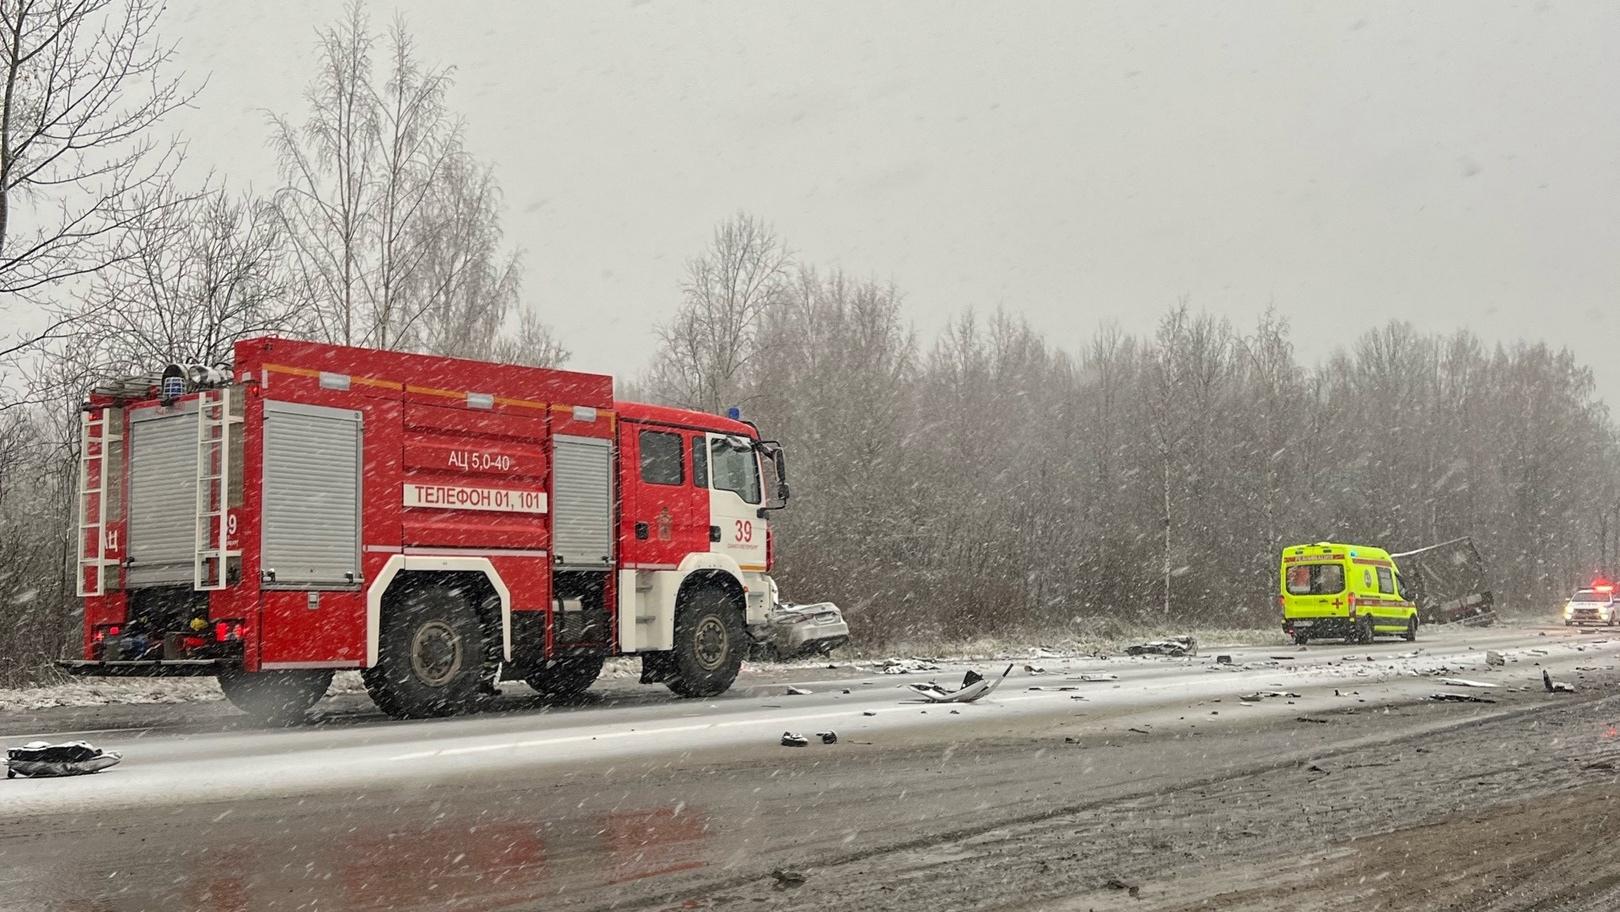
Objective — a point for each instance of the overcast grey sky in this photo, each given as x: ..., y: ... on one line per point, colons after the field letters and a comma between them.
x: 1453, y: 164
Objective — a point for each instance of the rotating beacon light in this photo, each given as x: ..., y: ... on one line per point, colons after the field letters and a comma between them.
x: 173, y: 384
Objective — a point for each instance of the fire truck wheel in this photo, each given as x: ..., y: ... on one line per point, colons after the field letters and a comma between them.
x: 1411, y: 630
x: 279, y: 697
x: 566, y: 677
x: 430, y: 656
x: 709, y: 643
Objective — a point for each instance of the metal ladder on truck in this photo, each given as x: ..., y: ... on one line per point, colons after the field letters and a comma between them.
x: 214, y: 420
x: 96, y: 436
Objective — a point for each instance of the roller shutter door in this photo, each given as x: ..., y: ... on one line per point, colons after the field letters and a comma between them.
x: 312, y: 473
x: 582, y: 502
x: 162, y: 535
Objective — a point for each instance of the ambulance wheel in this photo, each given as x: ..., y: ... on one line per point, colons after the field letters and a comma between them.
x: 274, y: 697
x: 430, y: 656
x: 1368, y: 634
x: 1301, y: 639
x: 709, y: 643
x: 566, y: 677
x: 1411, y: 630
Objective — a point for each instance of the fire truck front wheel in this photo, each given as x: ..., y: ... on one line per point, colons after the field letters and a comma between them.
x: 274, y: 697
x: 710, y: 639
x: 430, y: 656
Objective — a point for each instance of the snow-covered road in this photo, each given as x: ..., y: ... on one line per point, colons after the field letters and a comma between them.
x: 636, y: 796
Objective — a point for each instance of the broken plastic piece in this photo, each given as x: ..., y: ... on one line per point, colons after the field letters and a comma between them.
x: 974, y: 687
x: 828, y: 737
x: 793, y: 739
x: 1555, y: 686
x: 1464, y: 682
x: 797, y: 691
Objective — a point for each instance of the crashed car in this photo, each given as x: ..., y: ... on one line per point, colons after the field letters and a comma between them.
x: 794, y: 631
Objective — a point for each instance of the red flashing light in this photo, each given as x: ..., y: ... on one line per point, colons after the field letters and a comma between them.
x: 113, y: 630
x: 227, y: 631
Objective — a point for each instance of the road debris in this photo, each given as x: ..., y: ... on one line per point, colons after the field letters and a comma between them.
x: 797, y: 691
x: 1098, y: 678
x: 869, y: 712
x: 1492, y: 657
x: 1223, y: 660
x: 793, y: 739
x: 41, y: 759
x: 828, y: 737
x: 1034, y: 669
x: 1310, y: 720
x: 1257, y: 696
x: 974, y: 687
x: 1555, y: 686
x: 1464, y: 682
x: 1447, y: 697
x: 1175, y: 647
x: 789, y: 878
x: 907, y: 666
x: 1114, y: 883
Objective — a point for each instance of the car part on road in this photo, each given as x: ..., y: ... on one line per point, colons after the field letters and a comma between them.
x: 828, y: 737
x: 1494, y: 658
x: 974, y: 687
x: 794, y: 739
x: 797, y: 691
x: 39, y: 759
x: 907, y: 666
x: 1174, y: 647
x: 1446, y: 697
x: 1555, y: 686
x: 1464, y: 682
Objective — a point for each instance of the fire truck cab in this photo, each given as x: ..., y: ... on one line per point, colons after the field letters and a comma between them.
x: 437, y: 524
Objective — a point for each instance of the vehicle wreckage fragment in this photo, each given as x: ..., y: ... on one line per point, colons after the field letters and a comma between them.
x: 974, y: 687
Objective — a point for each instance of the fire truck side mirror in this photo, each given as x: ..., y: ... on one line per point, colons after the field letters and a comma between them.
x: 772, y: 450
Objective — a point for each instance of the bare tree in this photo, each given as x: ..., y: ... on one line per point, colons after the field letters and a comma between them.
x: 84, y: 86
x: 395, y: 229
x: 208, y: 271
x: 533, y: 343
x: 714, y: 337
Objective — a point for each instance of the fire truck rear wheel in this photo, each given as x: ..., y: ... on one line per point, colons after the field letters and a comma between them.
x: 279, y: 697
x: 566, y: 677
x: 431, y: 656
x: 710, y: 640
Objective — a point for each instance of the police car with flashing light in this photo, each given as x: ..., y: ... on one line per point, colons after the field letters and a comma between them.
x: 1595, y: 605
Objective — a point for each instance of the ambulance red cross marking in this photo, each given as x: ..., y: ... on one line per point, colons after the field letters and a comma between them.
x: 1336, y: 601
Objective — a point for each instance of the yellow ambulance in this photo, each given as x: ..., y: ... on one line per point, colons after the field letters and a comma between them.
x: 1354, y: 592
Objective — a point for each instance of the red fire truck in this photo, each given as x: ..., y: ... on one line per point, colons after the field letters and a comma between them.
x: 438, y: 524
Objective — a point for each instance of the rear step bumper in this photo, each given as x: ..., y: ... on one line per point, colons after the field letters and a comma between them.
x: 144, y: 668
